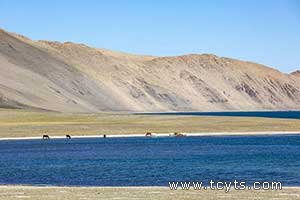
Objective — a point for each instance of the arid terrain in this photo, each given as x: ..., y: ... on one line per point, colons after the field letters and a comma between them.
x: 158, y: 193
x: 70, y: 77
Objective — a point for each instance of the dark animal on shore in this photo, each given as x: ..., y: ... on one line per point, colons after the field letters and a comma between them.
x: 68, y: 136
x: 104, y: 136
x: 178, y: 134
x: 46, y: 137
x: 148, y: 134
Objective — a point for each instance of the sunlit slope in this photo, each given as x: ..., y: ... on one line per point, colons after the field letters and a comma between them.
x: 70, y: 77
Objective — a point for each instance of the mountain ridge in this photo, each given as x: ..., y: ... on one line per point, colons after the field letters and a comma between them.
x: 77, y: 78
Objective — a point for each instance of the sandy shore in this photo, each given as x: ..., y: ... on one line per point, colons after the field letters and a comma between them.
x: 163, y: 135
x: 126, y: 193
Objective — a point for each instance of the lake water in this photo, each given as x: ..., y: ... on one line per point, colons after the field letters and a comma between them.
x: 150, y: 161
x: 269, y: 114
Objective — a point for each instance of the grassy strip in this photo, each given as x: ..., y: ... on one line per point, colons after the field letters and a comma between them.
x: 24, y: 123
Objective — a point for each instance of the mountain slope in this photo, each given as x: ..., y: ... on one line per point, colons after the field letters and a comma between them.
x: 70, y: 77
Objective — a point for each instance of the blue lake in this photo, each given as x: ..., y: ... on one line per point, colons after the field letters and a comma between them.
x: 150, y: 161
x: 269, y: 114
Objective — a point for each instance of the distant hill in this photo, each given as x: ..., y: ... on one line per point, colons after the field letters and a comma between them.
x: 296, y: 73
x: 70, y: 77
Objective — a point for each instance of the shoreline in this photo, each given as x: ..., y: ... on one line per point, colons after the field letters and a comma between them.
x: 108, y: 187
x: 148, y: 193
x: 155, y: 135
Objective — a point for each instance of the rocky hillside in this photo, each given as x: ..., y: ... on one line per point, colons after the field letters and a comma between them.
x: 70, y: 77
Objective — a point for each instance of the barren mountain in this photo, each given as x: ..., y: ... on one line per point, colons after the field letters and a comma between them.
x: 70, y: 77
x: 296, y: 74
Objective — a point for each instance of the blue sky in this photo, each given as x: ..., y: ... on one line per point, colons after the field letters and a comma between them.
x: 265, y: 31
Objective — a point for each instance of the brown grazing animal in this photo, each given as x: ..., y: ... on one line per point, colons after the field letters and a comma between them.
x: 148, y: 134
x: 46, y: 137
